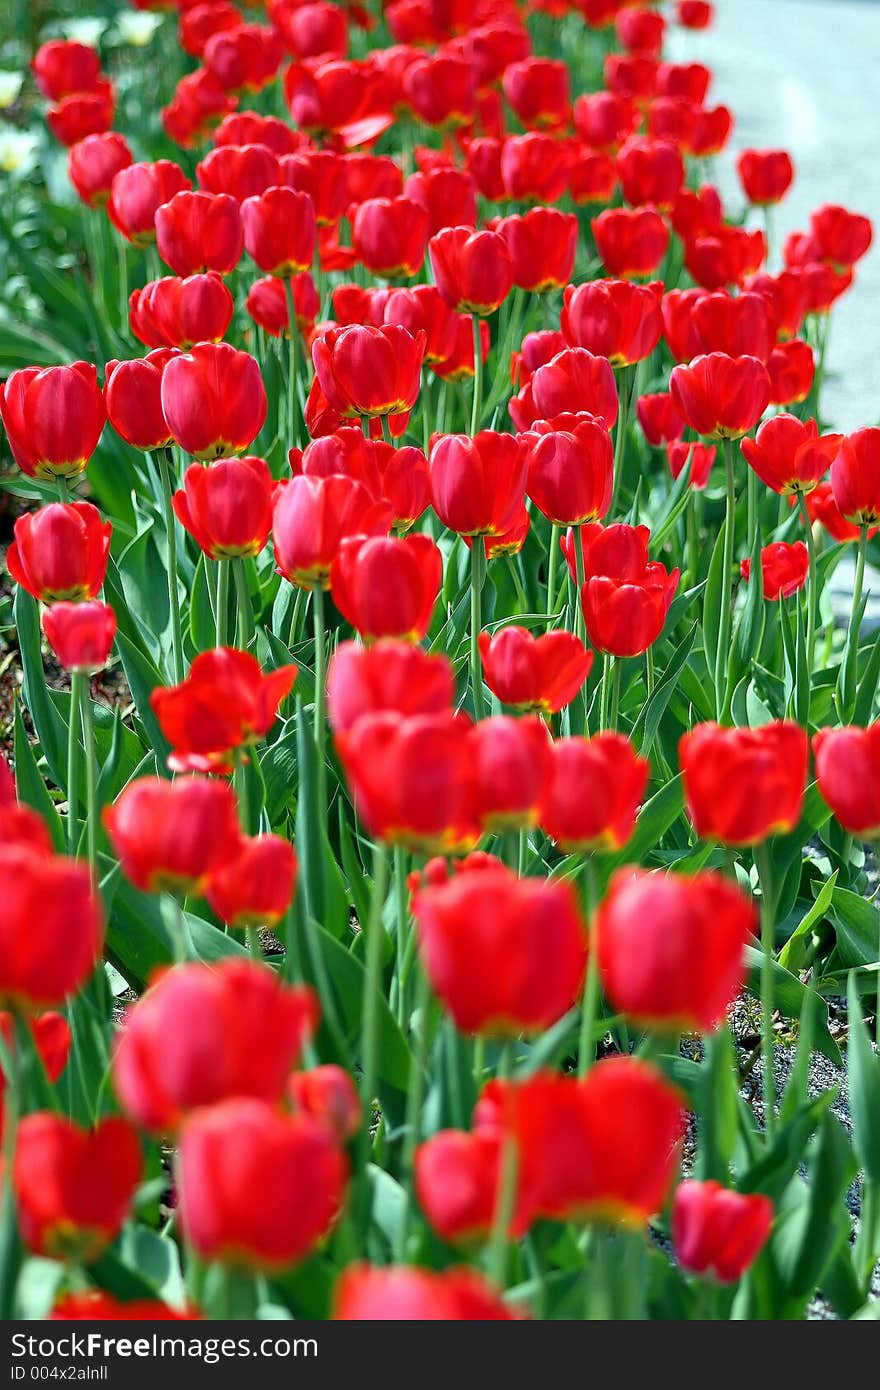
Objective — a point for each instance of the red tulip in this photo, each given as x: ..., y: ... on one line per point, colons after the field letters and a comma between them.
x: 459, y: 363
x: 328, y: 1094
x: 613, y: 319
x: 659, y: 419
x: 512, y: 761
x: 766, y: 175
x: 171, y: 836
x: 734, y: 324
x: 390, y: 676
x: 244, y: 59
x: 696, y: 212
x: 651, y: 172
x: 250, y: 128
x: 214, y: 400
x: 138, y: 192
x: 94, y: 162
x: 572, y: 382
x: 73, y: 1187
x: 478, y: 484
x: 789, y: 454
x: 672, y: 948
x: 719, y: 1232
x: 389, y: 236
x: 791, y: 367
x: 369, y: 371
x: 592, y: 177
x: 593, y: 792
x: 725, y: 256
x: 175, y: 312
x: 50, y: 1035
x: 372, y: 176
x: 82, y: 114
x: 366, y: 1293
x: 238, y: 1164
x: 485, y: 938
x: 570, y: 473
x: 786, y: 296
x: 267, y: 304
x: 534, y: 168
x: 440, y: 89
x: 630, y: 241
x: 312, y: 516
x: 280, y: 230
x: 699, y: 457
x: 534, y: 673
x: 53, y: 417
x: 51, y: 929
x: 743, y: 785
x: 841, y: 237
x: 227, y: 508
x: 784, y: 569
x: 62, y: 67
x: 456, y: 1181
x: 225, y: 703
x: 321, y: 174
x: 413, y: 779
x: 199, y: 103
x: 603, y: 120
x: 538, y: 91
x: 695, y: 14
x: 133, y: 399
x: 424, y: 308
x: 448, y: 196
x: 473, y: 270
x: 80, y: 634
x: 721, y: 397
x: 199, y: 22
x: 60, y: 552
x: 824, y: 511
x: 242, y: 171
x: 626, y: 596
x: 855, y: 477
x: 245, y: 1031
x: 387, y: 586
x: 846, y: 763
x: 197, y: 231
x: 96, y: 1306
x: 542, y: 246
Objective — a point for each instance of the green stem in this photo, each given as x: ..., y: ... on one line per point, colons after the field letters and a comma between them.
x: 293, y: 408
x: 370, y: 1010
x: 88, y: 730
x: 850, y: 671
x: 320, y: 693
x: 164, y: 460
x: 521, y: 598
x: 727, y: 584
x: 478, y: 375
x: 386, y: 431
x: 73, y: 762
x: 620, y: 436
x: 505, y: 1200
x: 812, y: 583
x: 768, y: 945
x: 12, y: 1102
x: 401, y: 901
x: 122, y: 263
x: 580, y: 570
x: 245, y: 613
x: 476, y: 624
x: 414, y: 1109
x: 587, y: 1046
x: 63, y: 484
x: 223, y: 602
x: 615, y: 693
x: 605, y: 691
x: 552, y: 559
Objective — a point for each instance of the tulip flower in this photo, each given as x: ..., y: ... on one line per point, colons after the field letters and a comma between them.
x: 672, y: 948
x: 171, y: 836
x: 592, y: 177
x: 659, y: 419
x: 698, y: 457
x: 456, y: 1182
x: 822, y: 510
x: 311, y: 517
x: 440, y: 90
x: 534, y: 168
x: 423, y: 308
x: 267, y: 304
x: 542, y: 245
x: 244, y: 171
x: 244, y: 59
x: 256, y: 886
x: 225, y: 703
x: 196, y: 232
x: 593, y: 792
x: 625, y: 596
x: 369, y: 371
x: 73, y: 1187
x: 512, y: 762
x: 478, y: 484
x: 721, y: 397
x: 784, y: 569
x: 245, y: 1032
x: 214, y: 400
x: 400, y: 1293
x: 766, y: 175
x: 743, y: 785
x: 389, y: 676
x: 529, y: 673
x: 322, y: 175
x: 50, y: 1035
x: 280, y: 230
x: 725, y: 256
x: 473, y: 270
x: 96, y: 1306
x: 199, y: 22
x: 855, y: 477
x: 53, y: 418
x: 603, y: 120
x: 63, y: 66
x: 227, y: 508
x: 717, y: 1231
x: 791, y: 367
x: 413, y: 779
x: 60, y: 552
x: 328, y: 1095
x: 238, y: 1164
x: 51, y: 928
x: 93, y: 164
x: 390, y: 235
x: 80, y: 634
x: 448, y: 196
x: 179, y: 312
x: 482, y: 938
x: 570, y: 475
x: 841, y: 237
x: 651, y: 172
x: 136, y: 194
x: 846, y: 762
x: 738, y: 325
x: 613, y: 319
x: 387, y: 586
x: 82, y: 114
x: 630, y: 241
x: 789, y: 455
x: 572, y: 382
x: 133, y: 399
x: 537, y: 89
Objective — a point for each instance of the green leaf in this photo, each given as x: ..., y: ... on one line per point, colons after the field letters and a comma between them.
x: 143, y: 678
x: 863, y: 1073
x: 788, y: 994
x: 717, y: 1107
x: 791, y: 955
x: 32, y: 790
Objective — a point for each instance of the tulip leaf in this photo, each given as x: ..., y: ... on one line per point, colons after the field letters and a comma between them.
x: 143, y: 678
x: 788, y: 995
x: 791, y: 955
x: 863, y: 1073
x: 32, y: 790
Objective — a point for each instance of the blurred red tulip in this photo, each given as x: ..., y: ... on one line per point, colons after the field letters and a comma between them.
x: 170, y: 836
x: 766, y: 175
x: 256, y: 886
x: 846, y: 770
x: 328, y: 1094
x: 743, y: 785
x: 137, y: 193
x: 280, y: 230
x: 593, y: 793
x: 51, y: 929
x: 400, y: 1293
x: 387, y: 586
x: 512, y: 760
x: 80, y: 634
x: 717, y: 1231
x: 390, y: 676
x: 630, y: 241
x: 63, y: 66
x: 93, y: 164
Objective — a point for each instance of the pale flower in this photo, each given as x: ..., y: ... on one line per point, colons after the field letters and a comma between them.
x: 18, y: 150
x: 10, y: 86
x: 137, y: 27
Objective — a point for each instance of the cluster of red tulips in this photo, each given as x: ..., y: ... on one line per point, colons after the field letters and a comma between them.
x: 479, y: 839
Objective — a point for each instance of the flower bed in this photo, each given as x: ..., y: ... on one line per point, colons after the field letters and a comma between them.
x: 423, y: 485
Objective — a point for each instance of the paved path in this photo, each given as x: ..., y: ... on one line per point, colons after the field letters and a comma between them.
x: 802, y: 75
